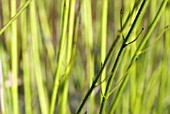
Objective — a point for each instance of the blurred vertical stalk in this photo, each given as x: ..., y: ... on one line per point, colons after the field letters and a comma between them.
x: 167, y: 58
x: 42, y: 93
x: 164, y: 75
x: 152, y: 8
x: 46, y: 32
x: 143, y: 66
x: 5, y: 92
x: 64, y: 22
x: 88, y: 40
x: 47, y: 44
x: 63, y: 101
x: 2, y: 88
x: 14, y: 60
x: 26, y: 65
x: 132, y: 90
x: 116, y: 8
x: 103, y: 44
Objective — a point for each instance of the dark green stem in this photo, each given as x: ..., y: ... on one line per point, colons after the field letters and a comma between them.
x: 125, y: 80
x: 114, y: 68
x: 97, y: 77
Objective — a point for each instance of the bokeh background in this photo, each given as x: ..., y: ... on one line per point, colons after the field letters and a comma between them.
x: 53, y: 50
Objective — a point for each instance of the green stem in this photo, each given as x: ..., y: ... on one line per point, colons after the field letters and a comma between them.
x: 97, y: 77
x: 114, y: 68
x: 42, y: 93
x: 125, y: 80
x: 63, y: 101
x: 26, y: 65
x: 14, y: 17
x: 103, y: 43
x: 14, y: 49
x: 60, y: 53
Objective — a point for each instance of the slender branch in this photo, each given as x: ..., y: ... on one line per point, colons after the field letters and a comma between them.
x: 15, y: 16
x: 135, y: 38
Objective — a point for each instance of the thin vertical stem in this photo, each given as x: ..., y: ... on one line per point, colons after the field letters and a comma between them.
x: 26, y: 65
x: 137, y: 52
x: 88, y: 42
x: 103, y: 42
x: 64, y: 23
x: 14, y: 49
x: 42, y: 93
x: 115, y: 66
x: 63, y: 101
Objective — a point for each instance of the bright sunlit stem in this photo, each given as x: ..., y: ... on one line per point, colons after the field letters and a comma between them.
x: 15, y: 16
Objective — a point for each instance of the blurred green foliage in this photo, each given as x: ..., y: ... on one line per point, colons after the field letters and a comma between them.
x: 51, y: 51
